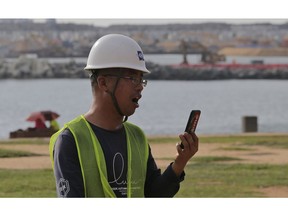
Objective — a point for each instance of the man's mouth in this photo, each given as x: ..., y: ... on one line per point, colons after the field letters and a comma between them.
x: 136, y: 99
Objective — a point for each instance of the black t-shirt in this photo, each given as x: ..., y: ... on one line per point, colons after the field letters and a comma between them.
x: 69, y: 182
x: 114, y: 147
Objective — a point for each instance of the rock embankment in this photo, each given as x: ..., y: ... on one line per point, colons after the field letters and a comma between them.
x: 32, y: 67
x: 218, y: 72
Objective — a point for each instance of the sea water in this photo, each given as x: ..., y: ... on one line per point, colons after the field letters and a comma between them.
x: 164, y: 107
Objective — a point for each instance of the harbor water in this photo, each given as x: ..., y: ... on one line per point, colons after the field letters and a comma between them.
x: 164, y: 107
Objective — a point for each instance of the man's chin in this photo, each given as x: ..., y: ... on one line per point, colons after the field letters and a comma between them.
x: 131, y: 113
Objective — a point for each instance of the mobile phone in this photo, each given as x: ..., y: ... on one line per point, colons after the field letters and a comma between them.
x: 192, y: 122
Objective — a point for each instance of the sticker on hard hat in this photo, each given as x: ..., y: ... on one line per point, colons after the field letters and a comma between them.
x: 140, y: 56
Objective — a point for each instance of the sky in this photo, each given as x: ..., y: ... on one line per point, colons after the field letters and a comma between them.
x: 108, y: 12
x: 106, y: 22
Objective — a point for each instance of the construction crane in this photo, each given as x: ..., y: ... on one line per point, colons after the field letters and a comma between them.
x: 207, y: 56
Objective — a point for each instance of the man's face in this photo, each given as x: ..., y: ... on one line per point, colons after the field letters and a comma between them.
x: 128, y: 91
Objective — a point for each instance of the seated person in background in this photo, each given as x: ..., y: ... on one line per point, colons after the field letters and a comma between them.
x: 54, y: 125
x: 39, y: 124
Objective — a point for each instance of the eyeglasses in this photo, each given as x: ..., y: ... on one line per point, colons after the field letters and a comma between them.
x: 135, y: 81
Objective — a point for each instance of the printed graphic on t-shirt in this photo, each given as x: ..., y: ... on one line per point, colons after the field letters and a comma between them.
x: 118, y: 180
x: 63, y: 187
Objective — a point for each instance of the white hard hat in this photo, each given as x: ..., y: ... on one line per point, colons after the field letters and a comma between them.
x: 116, y: 51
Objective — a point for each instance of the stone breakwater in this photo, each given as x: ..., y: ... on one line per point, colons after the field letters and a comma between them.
x: 30, y: 68
x: 218, y: 72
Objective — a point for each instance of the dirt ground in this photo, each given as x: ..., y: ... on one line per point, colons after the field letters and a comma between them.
x: 164, y: 154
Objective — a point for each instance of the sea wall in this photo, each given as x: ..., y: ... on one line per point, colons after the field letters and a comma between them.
x: 218, y: 72
x: 32, y: 68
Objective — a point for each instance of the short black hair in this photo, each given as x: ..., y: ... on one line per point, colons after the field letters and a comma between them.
x: 93, y: 76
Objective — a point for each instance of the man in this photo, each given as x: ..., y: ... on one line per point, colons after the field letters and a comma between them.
x: 100, y: 154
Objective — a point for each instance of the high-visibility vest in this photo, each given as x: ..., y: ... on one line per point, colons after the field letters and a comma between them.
x: 92, y: 161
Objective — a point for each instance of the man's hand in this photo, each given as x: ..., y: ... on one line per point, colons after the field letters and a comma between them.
x: 190, y: 143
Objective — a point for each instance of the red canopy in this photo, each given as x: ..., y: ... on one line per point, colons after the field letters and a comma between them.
x: 43, y: 115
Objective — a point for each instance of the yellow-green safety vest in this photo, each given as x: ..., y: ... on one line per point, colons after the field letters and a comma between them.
x: 92, y: 161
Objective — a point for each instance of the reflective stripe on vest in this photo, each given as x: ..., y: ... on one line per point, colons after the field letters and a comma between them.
x: 92, y: 161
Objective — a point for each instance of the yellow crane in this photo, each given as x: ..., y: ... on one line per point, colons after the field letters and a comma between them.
x: 195, y: 47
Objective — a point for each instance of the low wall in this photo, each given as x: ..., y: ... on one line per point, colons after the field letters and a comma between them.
x: 39, y: 69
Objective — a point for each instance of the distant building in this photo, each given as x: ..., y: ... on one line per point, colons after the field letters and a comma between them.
x: 13, y: 21
x: 51, y: 21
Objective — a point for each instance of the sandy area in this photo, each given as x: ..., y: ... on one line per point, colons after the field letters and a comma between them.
x: 164, y: 154
x: 35, y: 162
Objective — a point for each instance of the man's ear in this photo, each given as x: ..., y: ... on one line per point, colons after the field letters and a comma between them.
x: 102, y: 83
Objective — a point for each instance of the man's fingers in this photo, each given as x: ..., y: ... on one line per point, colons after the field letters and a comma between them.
x: 189, y: 141
x: 195, y: 143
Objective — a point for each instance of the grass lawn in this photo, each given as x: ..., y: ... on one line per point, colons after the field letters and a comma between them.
x: 206, y: 176
x: 231, y: 180
x: 27, y: 183
x: 206, y: 179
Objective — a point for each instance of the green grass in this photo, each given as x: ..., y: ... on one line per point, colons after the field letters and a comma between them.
x: 210, y: 159
x: 235, y: 148
x: 202, y: 180
x: 204, y: 159
x: 231, y: 180
x: 167, y: 139
x: 278, y: 141
x: 268, y: 140
x: 33, y: 141
x: 7, y: 153
x: 27, y: 183
x: 205, y: 177
x: 209, y: 176
x: 264, y: 140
